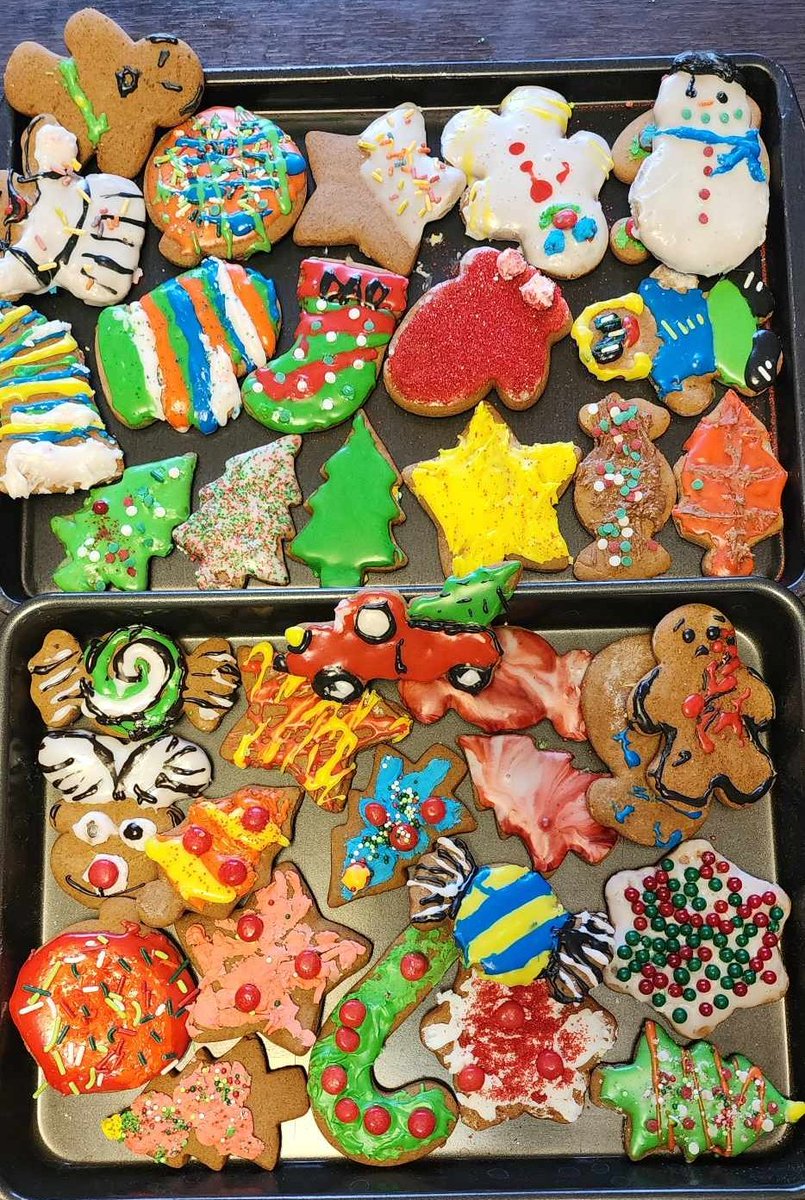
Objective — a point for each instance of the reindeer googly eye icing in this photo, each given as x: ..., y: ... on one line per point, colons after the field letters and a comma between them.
x: 137, y: 833
x: 95, y: 828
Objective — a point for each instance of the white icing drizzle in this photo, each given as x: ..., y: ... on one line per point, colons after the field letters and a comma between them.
x: 46, y: 467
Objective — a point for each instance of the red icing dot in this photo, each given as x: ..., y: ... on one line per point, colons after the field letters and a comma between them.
x: 727, y: 927
x: 652, y: 1125
x: 708, y: 151
x: 704, y: 194
x: 706, y: 1009
x: 347, y: 1040
x: 756, y: 963
x: 641, y: 923
x: 131, y: 571
x: 509, y: 1015
x: 734, y: 883
x: 708, y: 858
x: 352, y: 1013
x: 705, y: 953
x: 688, y: 1123
x: 232, y: 872
x: 708, y: 171
x: 250, y: 926
x: 103, y: 873
x: 434, y: 810
x: 333, y: 1080
x: 769, y: 897
x: 376, y: 814
x: 649, y: 882
x: 308, y: 964
x: 770, y: 939
x: 414, y: 966
x: 403, y: 837
x: 421, y: 1123
x: 100, y: 507
x: 722, y: 866
x: 661, y: 877
x: 377, y: 1120
x: 764, y: 953
x: 549, y: 1064
x: 721, y: 906
x: 661, y: 979
x: 703, y: 985
x: 516, y: 147
x: 123, y: 554
x: 740, y: 988
x: 703, y: 218
x: 346, y: 1111
x: 675, y: 990
x: 645, y: 987
x: 565, y: 218
x: 696, y: 920
x: 666, y: 910
x: 196, y: 840
x: 470, y: 1079
x: 247, y: 998
x: 109, y: 558
x: 706, y: 872
x: 769, y: 976
x: 256, y: 818
x: 761, y: 920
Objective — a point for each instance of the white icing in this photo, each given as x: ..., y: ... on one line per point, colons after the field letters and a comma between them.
x: 58, y: 467
x: 225, y: 399
x: 122, y: 881
x: 239, y: 318
x: 142, y: 334
x: 137, y: 661
x: 80, y: 416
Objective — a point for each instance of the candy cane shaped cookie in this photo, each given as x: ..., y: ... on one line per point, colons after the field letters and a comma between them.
x: 362, y: 1120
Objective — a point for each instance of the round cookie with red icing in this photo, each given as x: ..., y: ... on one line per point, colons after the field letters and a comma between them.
x: 492, y: 327
x: 516, y: 1050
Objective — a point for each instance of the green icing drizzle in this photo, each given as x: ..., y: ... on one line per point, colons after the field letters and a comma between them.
x: 97, y: 123
x: 126, y: 384
x: 734, y: 327
x: 387, y: 996
x: 124, y: 698
x: 475, y: 599
x: 637, y: 151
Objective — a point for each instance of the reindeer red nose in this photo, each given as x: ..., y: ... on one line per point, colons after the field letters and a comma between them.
x: 103, y: 874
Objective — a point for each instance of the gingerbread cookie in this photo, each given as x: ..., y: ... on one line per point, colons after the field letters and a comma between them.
x: 531, y: 683
x: 112, y: 93
x: 89, y: 1003
x: 538, y: 796
x: 516, y: 1050
x: 365, y: 1122
x: 690, y: 1099
x: 347, y: 314
x: 120, y: 527
x: 697, y: 937
x: 287, y: 726
x: 492, y: 498
x: 212, y: 1110
x: 225, y: 182
x: 698, y: 168
x: 627, y: 801
x: 394, y: 820
x: 475, y: 599
x: 80, y: 233
x: 177, y: 353
x: 730, y: 487
x: 623, y: 490
x: 52, y: 436
x: 529, y: 183
x: 491, y: 327
x: 237, y: 530
x: 683, y: 338
x: 377, y: 190
x: 267, y: 968
x: 353, y: 513
x: 708, y: 709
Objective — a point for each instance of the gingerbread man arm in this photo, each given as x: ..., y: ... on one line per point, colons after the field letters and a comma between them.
x: 627, y: 164
x: 759, y: 706
x: 588, y: 148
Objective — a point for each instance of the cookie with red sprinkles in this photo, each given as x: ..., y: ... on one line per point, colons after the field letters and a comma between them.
x: 696, y: 937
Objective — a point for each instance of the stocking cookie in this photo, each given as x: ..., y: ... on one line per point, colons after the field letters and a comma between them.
x: 112, y: 93
x: 708, y: 931
x: 623, y: 492
x: 214, y: 1109
x: 377, y: 190
x: 708, y: 709
x: 516, y: 1050
x: 267, y: 968
x: 492, y: 327
x: 730, y: 487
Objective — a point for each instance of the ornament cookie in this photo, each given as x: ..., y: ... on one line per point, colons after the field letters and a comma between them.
x: 623, y: 491
x: 475, y: 599
x: 52, y: 436
x: 492, y: 498
x: 267, y: 968
x: 683, y: 338
x: 347, y: 314
x: 508, y: 922
x: 730, y: 487
x: 365, y: 1122
x: 112, y: 93
x: 490, y: 328
x: 225, y: 182
x: 531, y: 683
x: 516, y: 1050
x: 177, y: 353
x: 538, y: 796
x: 377, y: 190
x: 80, y: 233
x: 120, y: 527
x: 237, y: 530
x: 627, y: 801
x: 529, y: 183
x: 212, y: 1110
x: 698, y: 168
x: 288, y: 727
x: 394, y: 820
x: 690, y: 1099
x: 697, y: 937
x: 708, y: 708
x: 353, y: 513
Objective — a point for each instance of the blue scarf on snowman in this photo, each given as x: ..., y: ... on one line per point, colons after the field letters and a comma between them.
x: 745, y: 146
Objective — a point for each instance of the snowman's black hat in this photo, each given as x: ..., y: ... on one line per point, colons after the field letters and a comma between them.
x: 707, y: 62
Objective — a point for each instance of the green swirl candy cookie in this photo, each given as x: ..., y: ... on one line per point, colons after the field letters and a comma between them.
x: 134, y: 681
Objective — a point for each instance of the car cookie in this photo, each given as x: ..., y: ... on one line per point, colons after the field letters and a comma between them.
x: 475, y: 599
x: 489, y: 328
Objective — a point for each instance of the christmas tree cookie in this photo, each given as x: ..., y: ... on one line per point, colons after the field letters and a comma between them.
x: 237, y: 530
x: 690, y: 1098
x: 119, y: 528
x: 352, y: 513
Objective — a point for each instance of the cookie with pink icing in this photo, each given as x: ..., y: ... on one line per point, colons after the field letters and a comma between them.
x: 530, y: 183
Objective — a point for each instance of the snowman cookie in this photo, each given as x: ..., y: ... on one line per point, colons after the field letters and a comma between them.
x: 531, y: 184
x: 698, y: 169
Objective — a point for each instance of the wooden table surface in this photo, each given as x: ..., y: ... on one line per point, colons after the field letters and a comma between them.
x: 277, y: 33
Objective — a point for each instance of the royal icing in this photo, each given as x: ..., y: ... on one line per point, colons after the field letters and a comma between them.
x: 475, y: 599
x: 134, y: 681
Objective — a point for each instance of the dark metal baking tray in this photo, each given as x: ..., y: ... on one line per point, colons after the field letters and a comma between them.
x: 607, y: 94
x: 52, y: 1147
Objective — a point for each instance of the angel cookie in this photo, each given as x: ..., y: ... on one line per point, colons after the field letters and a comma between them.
x: 531, y: 184
x: 377, y: 190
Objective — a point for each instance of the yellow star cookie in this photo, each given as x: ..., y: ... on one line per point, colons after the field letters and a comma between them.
x: 492, y: 498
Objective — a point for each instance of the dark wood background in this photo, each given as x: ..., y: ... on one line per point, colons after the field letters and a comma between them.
x: 281, y: 33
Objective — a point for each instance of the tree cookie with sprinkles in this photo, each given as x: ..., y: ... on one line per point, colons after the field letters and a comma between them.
x: 225, y: 182
x: 696, y: 936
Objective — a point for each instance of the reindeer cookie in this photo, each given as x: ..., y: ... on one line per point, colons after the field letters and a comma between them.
x: 60, y: 229
x: 112, y: 93
x: 624, y: 490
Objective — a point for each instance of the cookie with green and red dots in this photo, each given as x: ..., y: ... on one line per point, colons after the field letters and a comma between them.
x: 696, y: 937
x: 516, y: 1050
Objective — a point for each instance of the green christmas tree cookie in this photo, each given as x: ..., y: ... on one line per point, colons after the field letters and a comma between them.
x: 120, y: 527
x: 475, y: 599
x: 352, y: 513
